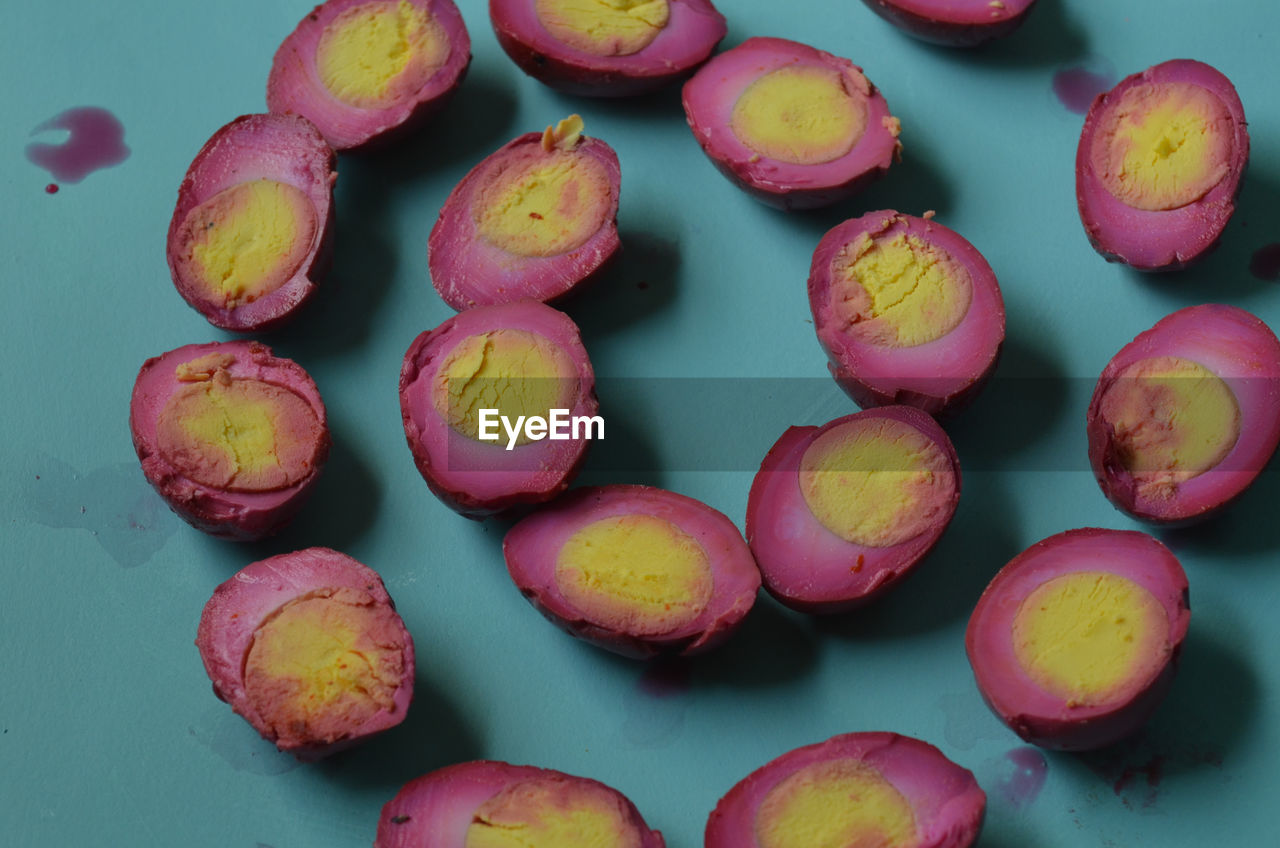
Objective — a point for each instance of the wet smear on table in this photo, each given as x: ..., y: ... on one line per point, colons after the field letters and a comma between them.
x: 96, y: 141
x: 230, y: 737
x: 966, y: 721
x: 654, y: 712
x: 113, y: 503
x: 1025, y: 770
x: 1265, y: 262
x: 1076, y: 85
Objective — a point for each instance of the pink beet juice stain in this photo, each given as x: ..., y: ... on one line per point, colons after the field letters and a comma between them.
x: 1265, y: 263
x: 1077, y: 85
x: 1023, y: 785
x: 96, y: 141
x: 666, y: 678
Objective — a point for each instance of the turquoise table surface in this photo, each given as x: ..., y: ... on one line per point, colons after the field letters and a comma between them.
x: 701, y: 335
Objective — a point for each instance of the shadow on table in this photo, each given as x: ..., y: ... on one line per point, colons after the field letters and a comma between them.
x: 434, y: 734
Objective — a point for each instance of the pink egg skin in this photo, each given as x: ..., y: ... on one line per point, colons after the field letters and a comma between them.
x: 1239, y: 348
x: 1160, y: 240
x: 284, y: 148
x: 953, y: 24
x: 536, y: 472
x: 1035, y: 715
x: 447, y: 799
x: 948, y: 803
x: 694, y: 30
x: 467, y: 271
x: 803, y: 564
x: 238, y: 516
x: 294, y: 86
x: 531, y: 548
x: 779, y: 184
x: 238, y: 608
x: 878, y: 376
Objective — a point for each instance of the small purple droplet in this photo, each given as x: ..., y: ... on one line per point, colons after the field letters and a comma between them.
x: 96, y: 142
x: 1077, y: 85
x: 51, y: 188
x: 666, y: 678
x: 1265, y: 264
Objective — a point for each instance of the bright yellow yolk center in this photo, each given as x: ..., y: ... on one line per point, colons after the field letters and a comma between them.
x: 876, y: 482
x: 604, y: 27
x: 900, y: 291
x: 1081, y: 636
x: 835, y: 804
x: 238, y: 434
x: 320, y: 666
x: 1163, y: 146
x: 1172, y: 419
x: 635, y: 573
x: 543, y: 205
x: 248, y: 240
x: 516, y: 372
x: 803, y: 115
x: 373, y: 54
x: 545, y: 813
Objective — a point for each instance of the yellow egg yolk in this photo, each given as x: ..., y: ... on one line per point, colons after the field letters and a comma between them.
x: 239, y: 435
x: 899, y: 290
x: 802, y: 114
x: 604, y: 27
x: 835, y: 804
x: 876, y: 482
x: 322, y: 665
x: 247, y: 240
x: 544, y: 201
x: 377, y: 53
x: 551, y: 813
x: 1163, y: 145
x: 635, y: 573
x: 516, y: 372
x: 1172, y: 419
x: 1082, y: 636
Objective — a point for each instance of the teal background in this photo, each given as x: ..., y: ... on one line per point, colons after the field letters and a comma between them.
x: 110, y: 733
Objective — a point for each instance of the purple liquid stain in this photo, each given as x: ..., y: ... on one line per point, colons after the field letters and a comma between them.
x: 1077, y: 85
x: 96, y: 141
x: 1265, y: 263
x: 666, y: 678
x: 51, y: 188
x: 1127, y: 783
x: 653, y: 715
x: 1022, y: 786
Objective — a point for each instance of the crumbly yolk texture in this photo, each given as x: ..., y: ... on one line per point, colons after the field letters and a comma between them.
x: 1082, y: 636
x: 239, y: 435
x: 546, y: 200
x: 835, y: 804
x: 1172, y: 419
x: 321, y: 666
x: 375, y: 54
x: 1163, y: 145
x: 604, y: 27
x: 636, y: 574
x: 551, y: 813
x: 248, y: 240
x: 802, y: 114
x: 876, y: 482
x: 899, y: 291
x: 513, y: 371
